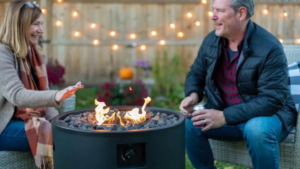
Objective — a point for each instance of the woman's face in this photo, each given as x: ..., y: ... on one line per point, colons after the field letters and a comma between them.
x: 35, y: 30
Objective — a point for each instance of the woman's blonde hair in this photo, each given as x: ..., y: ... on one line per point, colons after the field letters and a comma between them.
x: 18, y: 18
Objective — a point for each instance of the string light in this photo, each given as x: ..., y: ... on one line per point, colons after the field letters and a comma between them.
x: 59, y: 1
x: 153, y: 33
x: 180, y: 34
x: 265, y: 11
x: 281, y: 40
x: 172, y: 25
x: 132, y: 36
x: 93, y: 25
x: 77, y: 34
x: 96, y: 42
x: 162, y: 42
x: 44, y: 11
x: 58, y: 23
x: 75, y: 14
x: 112, y: 33
x: 115, y: 47
x: 143, y: 47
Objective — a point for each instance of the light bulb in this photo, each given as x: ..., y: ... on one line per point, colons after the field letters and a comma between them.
x: 115, y: 47
x: 197, y: 23
x: 75, y: 14
x: 172, y: 25
x: 298, y: 41
x: 132, y: 36
x: 58, y: 23
x: 96, y: 42
x: 204, y: 1
x: 143, y: 47
x: 210, y: 13
x: 153, y: 33
x: 189, y: 15
x: 281, y: 40
x: 93, y: 25
x: 265, y: 11
x: 44, y: 11
x: 285, y: 14
x: 112, y: 33
x: 59, y: 1
x: 76, y: 33
x: 180, y: 34
x: 162, y: 42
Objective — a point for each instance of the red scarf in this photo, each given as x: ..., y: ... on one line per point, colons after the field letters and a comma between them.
x: 38, y: 130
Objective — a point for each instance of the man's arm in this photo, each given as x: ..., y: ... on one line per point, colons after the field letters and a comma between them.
x: 272, y: 88
x: 195, y: 80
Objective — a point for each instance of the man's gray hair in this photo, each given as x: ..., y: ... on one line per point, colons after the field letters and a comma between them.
x: 248, y: 4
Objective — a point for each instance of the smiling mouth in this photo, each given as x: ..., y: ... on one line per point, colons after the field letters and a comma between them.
x: 35, y: 36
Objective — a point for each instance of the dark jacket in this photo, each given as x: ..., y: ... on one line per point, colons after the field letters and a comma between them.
x: 261, y: 79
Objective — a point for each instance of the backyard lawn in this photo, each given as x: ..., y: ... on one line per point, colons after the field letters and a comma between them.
x: 85, y: 99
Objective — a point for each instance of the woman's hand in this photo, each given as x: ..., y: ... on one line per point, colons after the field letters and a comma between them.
x: 67, y: 92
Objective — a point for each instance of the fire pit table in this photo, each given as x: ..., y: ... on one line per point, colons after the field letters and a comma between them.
x: 161, y: 147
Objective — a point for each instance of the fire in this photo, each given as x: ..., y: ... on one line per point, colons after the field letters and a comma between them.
x: 134, y: 116
x: 130, y: 88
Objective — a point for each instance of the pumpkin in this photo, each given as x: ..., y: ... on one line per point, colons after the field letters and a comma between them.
x: 126, y: 73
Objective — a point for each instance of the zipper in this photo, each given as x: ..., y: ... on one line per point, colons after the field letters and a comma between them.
x: 237, y: 72
x: 212, y: 72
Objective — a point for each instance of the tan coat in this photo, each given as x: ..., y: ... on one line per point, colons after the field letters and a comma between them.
x: 13, y: 94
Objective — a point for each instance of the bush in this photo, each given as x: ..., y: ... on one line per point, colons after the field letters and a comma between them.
x: 55, y: 72
x: 169, y: 75
x: 113, y: 94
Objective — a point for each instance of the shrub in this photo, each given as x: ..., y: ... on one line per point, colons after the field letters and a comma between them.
x: 113, y: 94
x: 55, y: 72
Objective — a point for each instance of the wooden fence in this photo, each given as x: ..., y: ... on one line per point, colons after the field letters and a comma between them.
x: 94, y: 64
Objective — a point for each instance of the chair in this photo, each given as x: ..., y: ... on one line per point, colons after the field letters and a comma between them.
x: 24, y: 159
x: 237, y: 152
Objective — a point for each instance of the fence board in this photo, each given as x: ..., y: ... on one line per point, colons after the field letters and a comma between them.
x: 95, y: 64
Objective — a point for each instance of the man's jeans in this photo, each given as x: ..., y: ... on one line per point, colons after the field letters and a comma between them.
x: 13, y: 138
x: 261, y: 135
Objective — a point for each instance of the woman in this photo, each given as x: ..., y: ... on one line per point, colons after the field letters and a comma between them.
x: 24, y: 98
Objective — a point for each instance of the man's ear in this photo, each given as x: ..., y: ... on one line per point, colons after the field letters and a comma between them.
x: 242, y: 13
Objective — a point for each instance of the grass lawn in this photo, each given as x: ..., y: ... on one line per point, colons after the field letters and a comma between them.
x: 85, y: 99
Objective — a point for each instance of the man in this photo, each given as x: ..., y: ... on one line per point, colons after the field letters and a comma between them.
x: 242, y: 69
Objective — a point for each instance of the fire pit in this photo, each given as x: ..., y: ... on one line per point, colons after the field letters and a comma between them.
x: 161, y: 147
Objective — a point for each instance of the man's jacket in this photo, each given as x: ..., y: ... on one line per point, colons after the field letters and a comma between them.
x: 261, y: 78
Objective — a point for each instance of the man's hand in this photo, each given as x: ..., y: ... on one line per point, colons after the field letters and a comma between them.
x: 67, y: 92
x: 209, y: 118
x: 187, y: 104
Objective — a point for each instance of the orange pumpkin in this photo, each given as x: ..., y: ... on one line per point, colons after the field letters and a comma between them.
x: 126, y: 73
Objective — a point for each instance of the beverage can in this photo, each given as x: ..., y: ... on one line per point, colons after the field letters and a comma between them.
x: 200, y: 106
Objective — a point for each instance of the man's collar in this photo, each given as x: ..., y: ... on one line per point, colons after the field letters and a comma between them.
x: 244, y: 43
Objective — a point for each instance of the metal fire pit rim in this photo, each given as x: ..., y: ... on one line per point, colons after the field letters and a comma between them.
x: 55, y: 121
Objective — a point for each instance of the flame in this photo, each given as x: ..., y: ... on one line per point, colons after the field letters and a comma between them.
x: 130, y: 88
x: 134, y: 116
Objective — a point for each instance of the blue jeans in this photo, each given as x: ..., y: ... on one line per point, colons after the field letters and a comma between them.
x: 261, y: 135
x: 13, y: 137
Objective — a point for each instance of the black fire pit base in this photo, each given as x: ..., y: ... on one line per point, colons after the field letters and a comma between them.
x: 158, y: 148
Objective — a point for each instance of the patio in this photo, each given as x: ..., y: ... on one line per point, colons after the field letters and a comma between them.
x: 126, y: 50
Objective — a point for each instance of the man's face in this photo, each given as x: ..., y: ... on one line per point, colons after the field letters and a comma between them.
x: 226, y: 21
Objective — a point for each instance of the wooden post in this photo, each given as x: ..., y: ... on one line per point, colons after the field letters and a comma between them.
x: 47, y: 36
